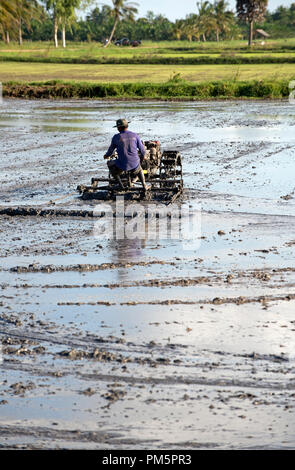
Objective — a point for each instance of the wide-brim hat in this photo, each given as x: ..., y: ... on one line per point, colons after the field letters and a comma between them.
x: 121, y: 123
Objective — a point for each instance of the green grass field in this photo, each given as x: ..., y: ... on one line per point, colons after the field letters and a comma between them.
x: 83, y: 52
x: 27, y: 72
x: 74, y: 48
x: 42, y: 62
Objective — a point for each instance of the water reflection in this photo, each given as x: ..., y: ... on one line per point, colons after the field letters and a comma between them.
x: 281, y: 132
x: 211, y: 122
x: 126, y: 251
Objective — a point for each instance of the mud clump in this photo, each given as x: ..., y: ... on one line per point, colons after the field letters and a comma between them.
x: 163, y: 360
x: 19, y: 388
x: 88, y: 392
x: 57, y: 373
x: 22, y: 351
x: 97, y: 354
x: 114, y: 395
x: 10, y: 347
x: 12, y: 319
x: 262, y: 276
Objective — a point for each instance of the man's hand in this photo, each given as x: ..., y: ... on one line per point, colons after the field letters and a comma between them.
x: 106, y: 157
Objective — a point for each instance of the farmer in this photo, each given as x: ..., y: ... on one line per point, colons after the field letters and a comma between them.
x: 126, y: 143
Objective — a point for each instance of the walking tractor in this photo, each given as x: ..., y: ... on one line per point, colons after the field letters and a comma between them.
x: 162, y: 171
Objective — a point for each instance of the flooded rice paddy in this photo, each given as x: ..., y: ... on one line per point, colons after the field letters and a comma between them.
x: 141, y: 343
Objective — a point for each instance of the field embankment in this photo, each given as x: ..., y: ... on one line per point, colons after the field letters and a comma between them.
x: 169, y: 90
x: 157, y: 59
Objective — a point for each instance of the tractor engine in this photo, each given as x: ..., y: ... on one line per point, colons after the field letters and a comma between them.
x: 152, y: 160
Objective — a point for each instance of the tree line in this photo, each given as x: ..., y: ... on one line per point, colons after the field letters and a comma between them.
x: 44, y: 20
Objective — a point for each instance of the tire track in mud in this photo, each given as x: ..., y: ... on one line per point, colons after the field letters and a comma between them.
x: 42, y: 179
x: 169, y: 371
x: 64, y: 140
x: 257, y: 153
x: 65, y: 435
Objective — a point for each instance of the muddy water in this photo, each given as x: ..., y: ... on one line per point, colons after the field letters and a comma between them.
x: 143, y: 343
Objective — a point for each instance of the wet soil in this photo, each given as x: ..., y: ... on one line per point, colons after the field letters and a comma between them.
x: 148, y: 343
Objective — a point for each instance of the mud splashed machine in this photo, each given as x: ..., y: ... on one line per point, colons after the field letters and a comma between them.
x: 163, y: 170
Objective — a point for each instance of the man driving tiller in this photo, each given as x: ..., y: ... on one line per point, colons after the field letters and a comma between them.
x: 126, y: 143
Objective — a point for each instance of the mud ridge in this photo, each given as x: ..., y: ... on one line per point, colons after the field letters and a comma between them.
x: 68, y: 340
x: 216, y: 301
x: 50, y: 268
x: 39, y: 212
x: 149, y: 283
x: 176, y: 380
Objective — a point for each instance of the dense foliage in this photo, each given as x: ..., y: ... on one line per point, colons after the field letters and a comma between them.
x: 44, y: 20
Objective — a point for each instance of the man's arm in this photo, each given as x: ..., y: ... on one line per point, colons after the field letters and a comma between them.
x: 110, y: 150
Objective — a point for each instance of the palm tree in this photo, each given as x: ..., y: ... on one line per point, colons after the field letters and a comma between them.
x: 223, y: 17
x: 63, y: 12
x: 55, y: 6
x: 250, y: 11
x: 178, y: 29
x: 191, y: 27
x: 67, y: 16
x: 26, y: 10
x: 122, y: 10
x: 7, y: 17
x: 206, y: 20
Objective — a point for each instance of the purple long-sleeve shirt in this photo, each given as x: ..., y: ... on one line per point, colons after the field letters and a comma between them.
x: 126, y: 143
